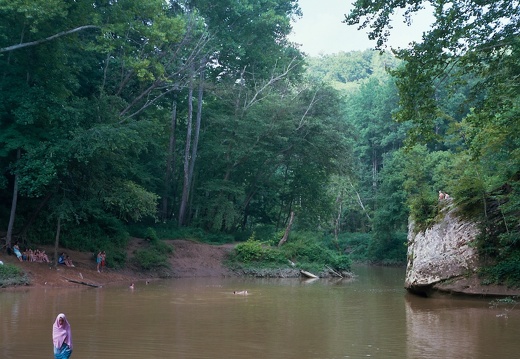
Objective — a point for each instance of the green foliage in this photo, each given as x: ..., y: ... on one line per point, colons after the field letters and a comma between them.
x: 423, y: 210
x: 356, y: 245
x: 171, y: 230
x: 131, y: 201
x: 12, y: 275
x: 151, y: 235
x: 306, y: 252
x: 389, y: 249
x: 149, y: 259
x: 154, y: 257
x: 458, y: 90
x: 506, y: 271
x: 347, y: 70
x: 254, y: 251
x: 100, y: 233
x: 91, y: 114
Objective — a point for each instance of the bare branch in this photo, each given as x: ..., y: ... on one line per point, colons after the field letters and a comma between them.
x: 272, y: 80
x: 311, y: 105
x: 360, y: 202
x: 50, y: 38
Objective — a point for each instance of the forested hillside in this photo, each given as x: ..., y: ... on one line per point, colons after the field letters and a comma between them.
x: 188, y: 114
x: 459, y: 93
x: 200, y: 117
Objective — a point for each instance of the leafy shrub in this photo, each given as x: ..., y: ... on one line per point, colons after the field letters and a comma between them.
x: 423, y: 210
x: 255, y: 251
x: 12, y: 275
x: 116, y: 258
x: 9, y: 271
x: 151, y: 235
x: 150, y: 258
x: 154, y: 257
x: 303, y: 248
x: 505, y: 272
x: 340, y: 262
x: 308, y: 251
x: 249, y: 251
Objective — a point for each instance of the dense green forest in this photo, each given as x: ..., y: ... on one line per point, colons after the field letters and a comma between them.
x: 200, y: 119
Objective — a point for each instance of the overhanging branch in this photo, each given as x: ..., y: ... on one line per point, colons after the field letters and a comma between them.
x: 50, y: 38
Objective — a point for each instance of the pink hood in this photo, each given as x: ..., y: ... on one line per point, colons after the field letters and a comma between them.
x: 61, y: 333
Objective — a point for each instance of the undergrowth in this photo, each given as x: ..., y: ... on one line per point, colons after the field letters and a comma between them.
x: 302, y: 251
x: 11, y: 275
x: 155, y: 256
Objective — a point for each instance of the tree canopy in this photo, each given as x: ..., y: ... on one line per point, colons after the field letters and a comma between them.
x: 459, y: 91
x: 128, y: 111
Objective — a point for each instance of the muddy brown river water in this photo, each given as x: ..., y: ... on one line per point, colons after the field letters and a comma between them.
x: 370, y: 317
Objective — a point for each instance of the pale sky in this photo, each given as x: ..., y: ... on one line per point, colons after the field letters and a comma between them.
x: 320, y: 30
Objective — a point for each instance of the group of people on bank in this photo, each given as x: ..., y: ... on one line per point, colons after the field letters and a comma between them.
x: 30, y: 255
x: 37, y: 255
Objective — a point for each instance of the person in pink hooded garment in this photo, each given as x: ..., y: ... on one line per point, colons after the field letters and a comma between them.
x: 62, y: 337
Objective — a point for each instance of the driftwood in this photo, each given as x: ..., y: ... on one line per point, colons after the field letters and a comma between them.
x: 84, y: 283
x: 334, y: 272
x: 308, y: 274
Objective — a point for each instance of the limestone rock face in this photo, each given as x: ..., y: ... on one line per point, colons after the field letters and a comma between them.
x: 441, y: 253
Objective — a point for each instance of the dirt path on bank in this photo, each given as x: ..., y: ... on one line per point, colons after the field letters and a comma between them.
x: 189, y: 259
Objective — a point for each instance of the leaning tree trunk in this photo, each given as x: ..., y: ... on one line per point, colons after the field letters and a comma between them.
x: 9, y: 236
x: 287, y: 230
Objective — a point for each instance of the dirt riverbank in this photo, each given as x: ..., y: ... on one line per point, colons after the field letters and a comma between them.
x: 189, y: 259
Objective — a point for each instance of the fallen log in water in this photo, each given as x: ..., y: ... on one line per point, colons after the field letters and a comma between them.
x: 334, y: 272
x: 308, y: 274
x: 83, y: 283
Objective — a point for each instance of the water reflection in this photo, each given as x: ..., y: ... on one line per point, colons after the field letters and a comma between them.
x: 461, y: 328
x: 280, y: 318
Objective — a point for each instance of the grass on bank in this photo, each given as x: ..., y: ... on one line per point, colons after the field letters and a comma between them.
x: 155, y: 255
x: 11, y: 275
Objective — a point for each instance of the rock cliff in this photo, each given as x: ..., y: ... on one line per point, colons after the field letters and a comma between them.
x: 443, y: 259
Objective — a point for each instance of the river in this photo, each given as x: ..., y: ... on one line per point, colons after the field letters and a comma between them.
x: 371, y: 316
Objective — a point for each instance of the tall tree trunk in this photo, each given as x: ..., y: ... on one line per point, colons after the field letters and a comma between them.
x: 186, y: 184
x: 374, y: 169
x: 170, y: 163
x: 197, y: 127
x: 337, y: 222
x: 57, y: 242
x: 9, y: 237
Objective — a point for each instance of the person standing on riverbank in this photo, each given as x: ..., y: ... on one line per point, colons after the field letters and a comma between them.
x: 62, y: 337
x: 103, y: 260
x: 99, y: 259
